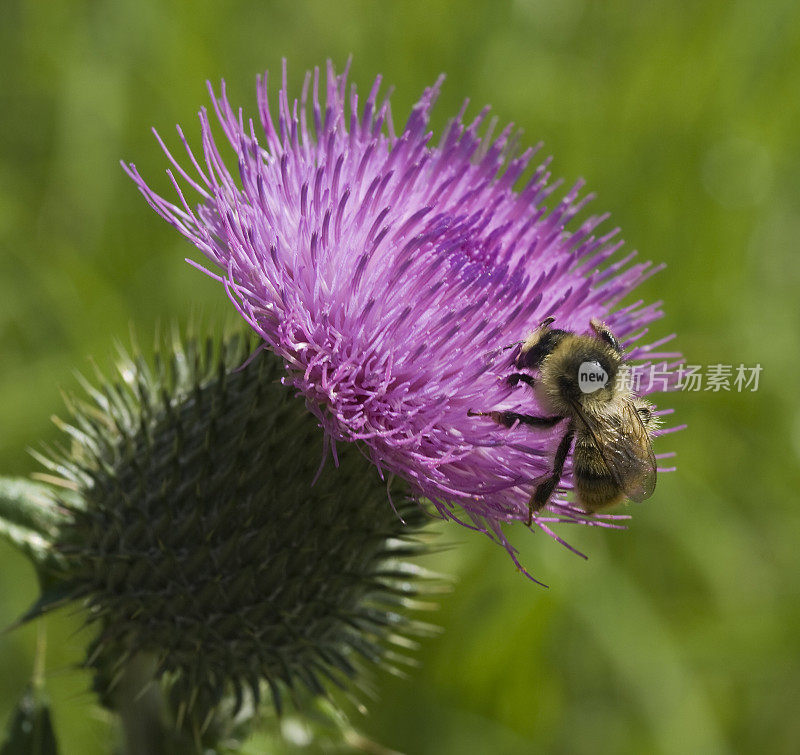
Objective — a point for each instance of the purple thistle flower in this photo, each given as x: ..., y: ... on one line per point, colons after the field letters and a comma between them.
x: 389, y: 274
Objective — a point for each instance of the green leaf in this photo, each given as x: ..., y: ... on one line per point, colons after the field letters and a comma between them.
x: 52, y: 597
x: 31, y: 730
x: 29, y: 519
x: 31, y: 505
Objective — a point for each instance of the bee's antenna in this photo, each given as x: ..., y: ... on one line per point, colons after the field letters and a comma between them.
x: 499, y: 350
x: 545, y: 324
x: 604, y: 334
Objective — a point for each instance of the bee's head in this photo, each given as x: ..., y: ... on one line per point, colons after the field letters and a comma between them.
x: 581, y: 370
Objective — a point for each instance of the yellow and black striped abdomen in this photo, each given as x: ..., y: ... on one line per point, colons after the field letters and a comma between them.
x: 595, y: 488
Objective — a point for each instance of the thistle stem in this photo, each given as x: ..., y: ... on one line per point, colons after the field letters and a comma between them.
x: 140, y: 704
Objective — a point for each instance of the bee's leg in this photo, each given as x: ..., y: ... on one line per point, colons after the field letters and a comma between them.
x: 541, y: 495
x: 539, y: 345
x: 507, y: 419
x: 544, y: 325
x: 520, y: 377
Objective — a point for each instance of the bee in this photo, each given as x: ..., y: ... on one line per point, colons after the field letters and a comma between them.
x: 612, y: 428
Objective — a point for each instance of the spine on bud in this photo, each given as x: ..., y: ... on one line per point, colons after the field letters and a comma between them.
x: 185, y: 520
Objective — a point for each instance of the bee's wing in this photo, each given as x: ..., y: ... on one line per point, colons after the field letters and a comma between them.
x: 624, y: 443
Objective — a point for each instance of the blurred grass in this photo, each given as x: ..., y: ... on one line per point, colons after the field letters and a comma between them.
x: 681, y: 635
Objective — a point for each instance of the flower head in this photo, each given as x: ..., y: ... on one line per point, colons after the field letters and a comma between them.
x: 179, y: 513
x: 389, y: 273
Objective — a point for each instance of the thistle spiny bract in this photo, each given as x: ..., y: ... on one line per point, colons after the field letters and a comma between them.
x: 195, y: 537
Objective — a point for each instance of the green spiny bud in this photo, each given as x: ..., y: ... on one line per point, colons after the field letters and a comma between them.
x: 189, y: 523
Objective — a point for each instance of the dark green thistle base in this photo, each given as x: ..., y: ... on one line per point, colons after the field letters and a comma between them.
x: 214, y: 571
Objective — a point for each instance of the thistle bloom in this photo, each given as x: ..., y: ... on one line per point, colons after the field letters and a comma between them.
x: 389, y: 274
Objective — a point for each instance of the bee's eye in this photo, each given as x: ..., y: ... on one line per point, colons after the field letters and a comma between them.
x: 644, y: 413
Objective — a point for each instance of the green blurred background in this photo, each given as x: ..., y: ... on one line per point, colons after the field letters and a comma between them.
x: 680, y: 635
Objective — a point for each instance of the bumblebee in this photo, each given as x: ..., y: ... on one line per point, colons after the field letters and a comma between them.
x: 577, y: 383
